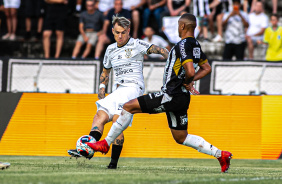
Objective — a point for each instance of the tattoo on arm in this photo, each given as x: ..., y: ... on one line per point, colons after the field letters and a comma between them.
x: 119, y: 142
x: 104, y: 77
x: 158, y: 50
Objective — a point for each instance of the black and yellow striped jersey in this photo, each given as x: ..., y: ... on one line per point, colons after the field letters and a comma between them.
x: 186, y: 50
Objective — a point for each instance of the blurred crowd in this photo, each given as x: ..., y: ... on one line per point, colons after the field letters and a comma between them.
x: 240, y: 24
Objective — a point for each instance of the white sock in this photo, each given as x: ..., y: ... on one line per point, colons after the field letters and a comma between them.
x: 201, y: 145
x: 119, y: 126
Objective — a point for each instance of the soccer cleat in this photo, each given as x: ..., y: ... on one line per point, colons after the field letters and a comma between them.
x: 4, y: 165
x: 112, y: 166
x: 101, y: 146
x: 75, y: 154
x: 224, y: 160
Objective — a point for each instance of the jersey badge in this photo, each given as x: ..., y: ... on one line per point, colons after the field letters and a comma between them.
x: 197, y: 52
x: 128, y: 53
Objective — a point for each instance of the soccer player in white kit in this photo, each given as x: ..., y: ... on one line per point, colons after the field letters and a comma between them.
x: 126, y: 58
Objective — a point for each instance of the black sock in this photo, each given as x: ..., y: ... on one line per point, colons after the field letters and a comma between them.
x: 97, y: 135
x: 116, y: 150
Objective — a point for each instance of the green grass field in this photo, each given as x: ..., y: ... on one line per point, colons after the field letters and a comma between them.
x: 41, y: 170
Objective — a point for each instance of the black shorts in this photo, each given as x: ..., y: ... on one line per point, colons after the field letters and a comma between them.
x: 55, y: 18
x: 34, y: 8
x: 175, y: 106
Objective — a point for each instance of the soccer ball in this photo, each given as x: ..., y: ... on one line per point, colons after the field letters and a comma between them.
x: 82, y: 148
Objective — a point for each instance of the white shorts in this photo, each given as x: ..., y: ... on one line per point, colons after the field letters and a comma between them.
x: 12, y: 3
x: 113, y: 103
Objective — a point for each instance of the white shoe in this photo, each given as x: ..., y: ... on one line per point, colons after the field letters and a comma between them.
x: 218, y: 38
x: 4, y: 165
x: 6, y: 36
x: 12, y: 37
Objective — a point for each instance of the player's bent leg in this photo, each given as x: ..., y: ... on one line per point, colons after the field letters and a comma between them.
x: 116, y: 151
x: 203, y: 146
x: 117, y: 128
x: 132, y: 106
x: 116, y: 148
x: 179, y: 135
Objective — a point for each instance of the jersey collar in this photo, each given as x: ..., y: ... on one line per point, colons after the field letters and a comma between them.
x: 125, y: 43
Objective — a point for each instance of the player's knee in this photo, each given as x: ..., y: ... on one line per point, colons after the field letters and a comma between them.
x: 179, y: 140
x: 129, y: 107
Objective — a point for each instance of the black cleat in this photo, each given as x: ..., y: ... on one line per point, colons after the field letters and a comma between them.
x: 4, y: 165
x: 112, y: 166
x: 75, y: 154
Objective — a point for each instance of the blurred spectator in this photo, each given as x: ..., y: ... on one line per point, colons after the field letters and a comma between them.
x: 201, y: 10
x: 105, y: 5
x: 78, y: 5
x: 107, y: 37
x: 273, y: 38
x: 91, y: 22
x: 55, y: 18
x: 11, y: 7
x: 235, y: 23
x: 156, y: 40
x: 175, y: 7
x: 34, y: 9
x: 274, y: 5
x: 220, y: 8
x: 135, y: 7
x: 258, y: 22
x: 156, y: 7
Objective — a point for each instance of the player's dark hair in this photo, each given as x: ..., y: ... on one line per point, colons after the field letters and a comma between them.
x: 275, y: 15
x: 190, y: 20
x: 189, y: 17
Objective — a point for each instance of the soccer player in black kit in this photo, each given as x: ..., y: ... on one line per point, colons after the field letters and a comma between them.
x: 174, y: 97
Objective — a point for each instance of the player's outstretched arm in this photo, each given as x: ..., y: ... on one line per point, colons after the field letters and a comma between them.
x: 104, y: 80
x: 158, y: 50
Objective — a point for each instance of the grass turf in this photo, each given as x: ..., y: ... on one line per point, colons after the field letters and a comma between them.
x: 41, y: 170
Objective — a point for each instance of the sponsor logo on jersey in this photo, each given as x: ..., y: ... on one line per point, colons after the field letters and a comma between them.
x: 279, y: 37
x: 105, y: 60
x: 128, y: 53
x: 121, y: 71
x: 130, y: 44
x: 197, y: 52
x: 144, y: 44
x: 111, y: 50
x: 183, y: 120
x: 182, y: 48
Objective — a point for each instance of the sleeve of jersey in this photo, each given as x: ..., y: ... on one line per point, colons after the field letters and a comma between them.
x: 266, y: 36
x: 186, y: 54
x: 203, y: 59
x: 143, y: 46
x: 106, y: 62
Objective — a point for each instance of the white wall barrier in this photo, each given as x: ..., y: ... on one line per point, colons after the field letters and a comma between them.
x: 55, y: 76
x: 244, y: 78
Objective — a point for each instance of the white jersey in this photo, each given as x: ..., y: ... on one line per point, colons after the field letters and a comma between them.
x: 127, y: 62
